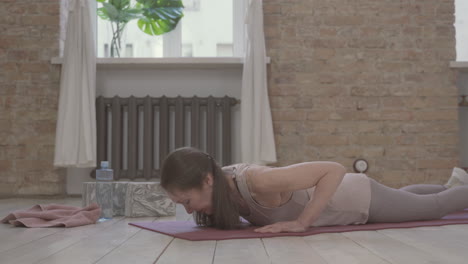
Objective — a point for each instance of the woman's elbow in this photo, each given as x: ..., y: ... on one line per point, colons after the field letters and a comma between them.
x: 340, y: 169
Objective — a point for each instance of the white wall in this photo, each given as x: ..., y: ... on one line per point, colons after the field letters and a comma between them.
x: 170, y: 82
x: 461, y: 27
x: 462, y: 84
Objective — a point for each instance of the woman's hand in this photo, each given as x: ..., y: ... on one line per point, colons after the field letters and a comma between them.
x: 289, y: 226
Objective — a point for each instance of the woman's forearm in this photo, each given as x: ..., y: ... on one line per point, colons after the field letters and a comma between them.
x: 324, y: 191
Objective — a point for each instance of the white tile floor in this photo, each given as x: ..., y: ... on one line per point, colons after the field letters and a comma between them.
x: 115, y: 241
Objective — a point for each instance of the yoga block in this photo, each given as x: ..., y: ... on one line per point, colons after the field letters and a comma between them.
x: 134, y: 199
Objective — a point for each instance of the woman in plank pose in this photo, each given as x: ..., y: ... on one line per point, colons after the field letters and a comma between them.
x: 299, y: 196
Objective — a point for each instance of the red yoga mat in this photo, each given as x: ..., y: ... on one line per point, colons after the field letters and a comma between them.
x: 190, y: 231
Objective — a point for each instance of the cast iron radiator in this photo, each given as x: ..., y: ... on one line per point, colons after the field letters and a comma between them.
x: 135, y: 134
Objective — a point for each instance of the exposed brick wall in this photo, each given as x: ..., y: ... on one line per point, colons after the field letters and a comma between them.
x: 368, y: 79
x: 29, y: 87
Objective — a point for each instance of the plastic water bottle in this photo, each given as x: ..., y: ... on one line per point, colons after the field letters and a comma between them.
x: 104, y: 191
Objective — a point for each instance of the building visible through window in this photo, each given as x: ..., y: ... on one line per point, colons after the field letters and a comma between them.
x: 192, y: 5
x: 187, y: 50
x: 128, y: 50
x: 106, y: 50
x: 224, y: 50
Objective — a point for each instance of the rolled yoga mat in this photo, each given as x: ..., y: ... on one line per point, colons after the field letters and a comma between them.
x: 190, y: 231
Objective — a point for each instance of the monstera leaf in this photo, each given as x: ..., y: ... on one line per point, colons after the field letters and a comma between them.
x: 160, y: 16
x: 113, y: 14
x: 155, y: 17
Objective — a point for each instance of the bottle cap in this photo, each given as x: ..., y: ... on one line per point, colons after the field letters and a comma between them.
x: 104, y: 164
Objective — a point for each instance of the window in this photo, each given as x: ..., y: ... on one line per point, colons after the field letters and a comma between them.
x: 461, y: 28
x: 192, y: 5
x: 128, y: 50
x: 106, y: 51
x: 224, y: 50
x: 187, y: 50
x: 209, y: 28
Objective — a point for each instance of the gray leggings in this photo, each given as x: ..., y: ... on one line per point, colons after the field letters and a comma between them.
x: 415, y: 202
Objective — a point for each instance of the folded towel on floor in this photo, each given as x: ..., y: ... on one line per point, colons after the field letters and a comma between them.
x: 54, y: 215
x: 190, y: 231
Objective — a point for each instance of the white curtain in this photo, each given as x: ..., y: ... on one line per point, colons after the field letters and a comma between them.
x: 257, y: 140
x: 75, y: 142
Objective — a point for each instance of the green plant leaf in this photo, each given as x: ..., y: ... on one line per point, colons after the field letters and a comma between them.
x: 109, y: 11
x: 129, y: 14
x: 120, y: 4
x: 161, y: 3
x: 160, y: 16
x: 102, y: 13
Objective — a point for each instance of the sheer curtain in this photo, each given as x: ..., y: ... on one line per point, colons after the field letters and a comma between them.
x: 257, y: 139
x: 75, y: 142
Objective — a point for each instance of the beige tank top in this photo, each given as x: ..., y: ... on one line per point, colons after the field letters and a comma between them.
x: 349, y: 205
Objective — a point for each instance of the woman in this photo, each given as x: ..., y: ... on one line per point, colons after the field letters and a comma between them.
x: 296, y: 197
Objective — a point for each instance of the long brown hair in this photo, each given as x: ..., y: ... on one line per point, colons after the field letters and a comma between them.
x: 185, y: 169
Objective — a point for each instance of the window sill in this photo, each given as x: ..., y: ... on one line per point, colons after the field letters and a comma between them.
x: 166, y: 63
x: 459, y: 65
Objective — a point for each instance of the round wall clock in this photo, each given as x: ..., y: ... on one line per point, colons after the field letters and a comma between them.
x: 361, y: 165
